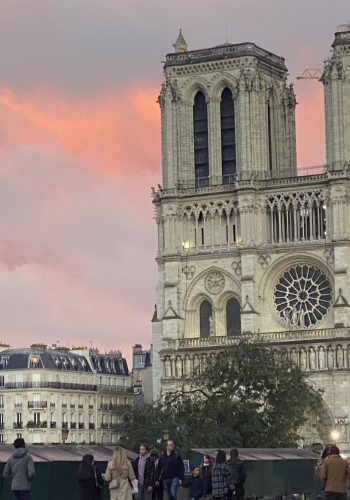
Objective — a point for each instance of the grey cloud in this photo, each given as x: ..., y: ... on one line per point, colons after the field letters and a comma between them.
x: 86, y: 47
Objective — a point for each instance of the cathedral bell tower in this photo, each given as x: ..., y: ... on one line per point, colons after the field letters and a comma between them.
x: 336, y: 80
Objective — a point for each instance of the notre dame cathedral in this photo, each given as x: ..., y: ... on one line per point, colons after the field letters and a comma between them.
x: 246, y: 244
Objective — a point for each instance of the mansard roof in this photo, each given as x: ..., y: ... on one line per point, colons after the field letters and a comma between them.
x: 63, y: 360
x: 222, y: 52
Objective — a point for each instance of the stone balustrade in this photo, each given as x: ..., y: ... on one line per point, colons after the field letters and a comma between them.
x: 329, y: 350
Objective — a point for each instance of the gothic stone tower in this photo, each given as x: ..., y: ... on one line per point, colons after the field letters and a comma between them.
x: 245, y: 244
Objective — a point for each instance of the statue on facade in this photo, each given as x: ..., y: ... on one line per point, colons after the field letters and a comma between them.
x: 322, y: 358
x: 196, y: 364
x: 178, y: 367
x: 294, y: 356
x: 167, y: 367
x: 312, y: 358
x: 188, y: 366
x: 340, y: 356
x: 330, y: 357
x: 303, y: 360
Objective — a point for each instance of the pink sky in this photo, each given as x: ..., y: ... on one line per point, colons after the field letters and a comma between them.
x: 80, y: 149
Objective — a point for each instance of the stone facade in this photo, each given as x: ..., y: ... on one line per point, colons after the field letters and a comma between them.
x: 275, y: 242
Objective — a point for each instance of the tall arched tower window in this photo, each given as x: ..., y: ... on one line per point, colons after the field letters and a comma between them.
x: 233, y: 317
x: 228, y: 136
x: 200, y: 129
x: 205, y: 311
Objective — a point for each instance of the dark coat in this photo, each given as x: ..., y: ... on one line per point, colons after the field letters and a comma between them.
x: 206, y: 476
x: 88, y: 489
x: 196, y: 485
x: 170, y: 466
x: 149, y: 471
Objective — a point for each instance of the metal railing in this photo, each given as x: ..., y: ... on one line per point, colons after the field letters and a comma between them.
x: 37, y: 404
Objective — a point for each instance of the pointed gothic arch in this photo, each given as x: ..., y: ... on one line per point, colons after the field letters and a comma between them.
x: 201, y: 140
x: 228, y: 136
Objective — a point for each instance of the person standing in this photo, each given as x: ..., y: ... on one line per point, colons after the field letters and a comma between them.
x: 333, y: 474
x: 20, y: 470
x: 206, y: 468
x: 170, y: 470
x: 157, y: 487
x: 238, y: 476
x: 90, y: 479
x: 144, y: 472
x: 220, y: 476
x: 195, y: 484
x: 118, y: 474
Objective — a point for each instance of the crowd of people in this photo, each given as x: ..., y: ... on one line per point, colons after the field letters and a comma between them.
x: 152, y: 474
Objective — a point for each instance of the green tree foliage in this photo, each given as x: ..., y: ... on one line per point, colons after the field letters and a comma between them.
x: 248, y: 395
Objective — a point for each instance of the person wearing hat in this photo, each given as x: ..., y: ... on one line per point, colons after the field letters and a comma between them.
x: 20, y: 469
x: 333, y: 475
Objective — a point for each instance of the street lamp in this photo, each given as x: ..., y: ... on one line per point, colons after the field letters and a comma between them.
x: 335, y: 435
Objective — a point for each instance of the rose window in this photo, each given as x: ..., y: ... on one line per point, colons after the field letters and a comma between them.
x: 303, y: 296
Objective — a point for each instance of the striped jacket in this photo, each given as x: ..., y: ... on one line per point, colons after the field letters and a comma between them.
x: 221, y: 479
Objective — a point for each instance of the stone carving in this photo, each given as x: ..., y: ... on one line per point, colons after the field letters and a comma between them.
x: 303, y: 359
x: 294, y: 356
x: 178, y: 365
x: 322, y: 358
x: 265, y: 260
x: 189, y: 272
x: 214, y: 282
x: 237, y: 267
x: 167, y: 367
x: 328, y: 254
x: 340, y: 356
x: 196, y: 364
x: 188, y: 366
x: 312, y: 358
x: 330, y: 357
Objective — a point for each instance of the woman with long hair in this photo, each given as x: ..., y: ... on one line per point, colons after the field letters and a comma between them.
x: 220, y: 476
x: 90, y: 479
x: 118, y: 474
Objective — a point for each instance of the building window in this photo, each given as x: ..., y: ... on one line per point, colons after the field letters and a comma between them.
x: 1, y: 438
x: 228, y: 136
x: 205, y: 313
x: 200, y: 129
x: 233, y: 317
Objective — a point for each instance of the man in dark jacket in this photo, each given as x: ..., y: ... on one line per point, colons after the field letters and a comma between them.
x: 144, y: 473
x: 20, y: 469
x: 170, y: 470
x: 238, y: 476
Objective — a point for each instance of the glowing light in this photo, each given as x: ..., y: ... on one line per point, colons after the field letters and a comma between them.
x: 186, y: 245
x: 334, y: 435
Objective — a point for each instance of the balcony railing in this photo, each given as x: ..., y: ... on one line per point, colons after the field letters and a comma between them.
x: 52, y: 425
x: 104, y: 425
x: 67, y: 386
x: 18, y: 425
x: 2, y: 425
x: 73, y: 425
x: 271, y: 337
x: 37, y: 404
x: 37, y: 425
x: 91, y: 425
x: 64, y: 425
x: 109, y: 406
x: 81, y: 425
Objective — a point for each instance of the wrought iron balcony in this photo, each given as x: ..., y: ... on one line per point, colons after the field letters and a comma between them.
x: 37, y: 404
x: 37, y: 425
x: 18, y: 425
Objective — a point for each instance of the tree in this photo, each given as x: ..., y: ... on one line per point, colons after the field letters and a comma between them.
x: 248, y: 395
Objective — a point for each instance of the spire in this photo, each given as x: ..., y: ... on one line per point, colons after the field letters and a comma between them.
x: 180, y: 45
